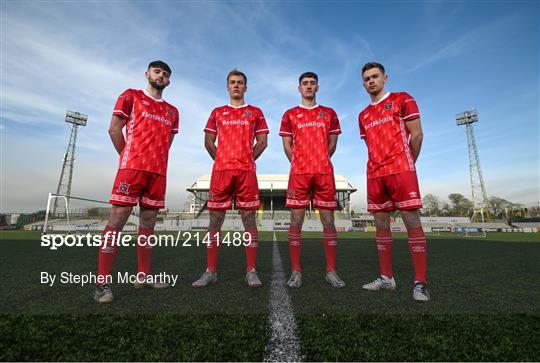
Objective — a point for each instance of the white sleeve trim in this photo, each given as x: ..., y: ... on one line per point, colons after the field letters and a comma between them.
x: 121, y: 112
x: 411, y: 115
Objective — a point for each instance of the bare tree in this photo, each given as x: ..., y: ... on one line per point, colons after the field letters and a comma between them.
x: 432, y: 204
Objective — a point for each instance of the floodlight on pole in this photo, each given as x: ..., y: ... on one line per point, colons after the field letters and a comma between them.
x: 478, y: 188
x: 75, y: 119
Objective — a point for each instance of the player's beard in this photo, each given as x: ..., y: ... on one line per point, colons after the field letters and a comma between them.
x: 158, y: 86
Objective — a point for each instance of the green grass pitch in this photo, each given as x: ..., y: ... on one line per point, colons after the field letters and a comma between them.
x: 485, y: 304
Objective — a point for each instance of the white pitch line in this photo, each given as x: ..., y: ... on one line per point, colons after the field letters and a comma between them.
x: 284, y: 345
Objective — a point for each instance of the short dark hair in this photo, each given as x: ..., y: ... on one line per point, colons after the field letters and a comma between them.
x: 308, y: 75
x: 236, y: 72
x: 371, y: 65
x: 161, y: 65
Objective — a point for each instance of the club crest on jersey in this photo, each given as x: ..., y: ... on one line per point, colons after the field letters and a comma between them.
x: 321, y: 114
x: 123, y: 188
x: 248, y: 113
x: 169, y: 111
x: 388, y: 105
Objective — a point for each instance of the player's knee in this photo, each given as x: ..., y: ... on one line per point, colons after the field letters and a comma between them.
x: 297, y: 222
x: 411, y: 218
x: 150, y: 224
x: 382, y: 220
x: 327, y: 222
x: 119, y: 216
x: 216, y: 219
x: 248, y: 218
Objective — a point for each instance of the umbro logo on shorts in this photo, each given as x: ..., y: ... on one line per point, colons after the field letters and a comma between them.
x: 413, y: 194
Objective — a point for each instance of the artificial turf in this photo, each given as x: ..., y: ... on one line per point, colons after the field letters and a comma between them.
x: 484, y: 304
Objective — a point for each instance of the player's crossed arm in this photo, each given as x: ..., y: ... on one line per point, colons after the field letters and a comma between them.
x: 332, y: 144
x: 260, y: 145
x: 287, y: 146
x: 115, y: 132
x: 210, y: 144
x: 416, y: 136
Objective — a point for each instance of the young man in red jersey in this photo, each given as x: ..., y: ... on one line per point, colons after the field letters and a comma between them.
x: 151, y: 124
x: 236, y: 127
x: 310, y: 132
x: 391, y: 128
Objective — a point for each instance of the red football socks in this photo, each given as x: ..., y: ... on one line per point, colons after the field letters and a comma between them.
x: 212, y: 250
x: 330, y: 247
x: 384, y: 250
x: 108, y: 250
x: 144, y: 250
x: 295, y: 247
x: 417, y: 248
x: 251, y: 248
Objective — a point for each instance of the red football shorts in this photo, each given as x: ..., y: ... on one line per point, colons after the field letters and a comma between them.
x: 132, y: 187
x: 395, y: 191
x: 303, y: 186
x: 240, y: 183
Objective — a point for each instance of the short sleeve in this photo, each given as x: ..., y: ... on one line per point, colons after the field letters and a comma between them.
x: 361, y: 127
x: 260, y: 124
x: 211, y: 125
x: 124, y: 105
x: 286, y: 126
x: 176, y: 124
x: 335, y: 128
x: 409, y: 109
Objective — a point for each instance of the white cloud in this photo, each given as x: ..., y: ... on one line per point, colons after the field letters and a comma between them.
x: 80, y: 56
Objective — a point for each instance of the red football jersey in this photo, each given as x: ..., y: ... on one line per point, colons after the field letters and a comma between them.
x: 382, y: 125
x: 150, y: 123
x: 236, y: 128
x: 310, y: 129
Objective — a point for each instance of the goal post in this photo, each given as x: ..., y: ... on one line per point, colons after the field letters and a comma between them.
x: 81, y: 214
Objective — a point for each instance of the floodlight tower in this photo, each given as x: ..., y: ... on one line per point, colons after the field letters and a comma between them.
x: 74, y: 119
x: 478, y: 188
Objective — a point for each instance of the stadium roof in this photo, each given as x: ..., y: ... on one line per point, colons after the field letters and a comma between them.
x: 270, y: 182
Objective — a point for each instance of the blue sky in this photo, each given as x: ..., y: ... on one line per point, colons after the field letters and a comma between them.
x: 451, y: 56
